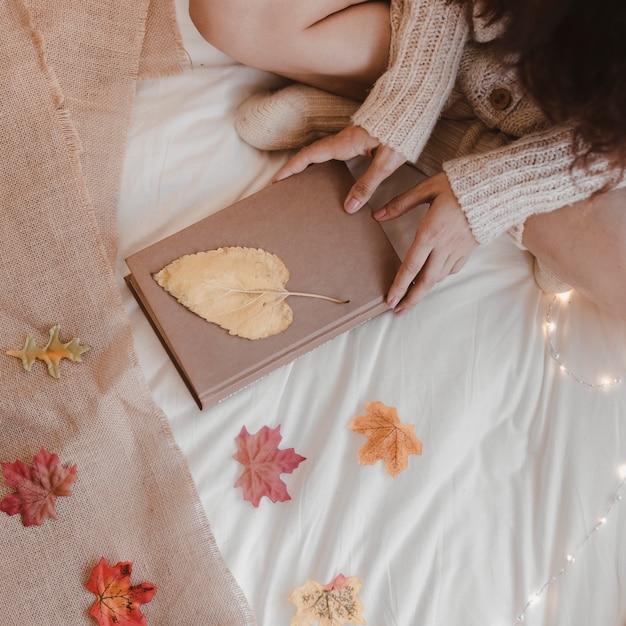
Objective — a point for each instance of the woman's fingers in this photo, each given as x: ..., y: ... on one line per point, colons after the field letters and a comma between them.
x: 443, y: 241
x: 410, y: 272
x: 385, y: 162
x: 350, y: 142
x: 422, y: 193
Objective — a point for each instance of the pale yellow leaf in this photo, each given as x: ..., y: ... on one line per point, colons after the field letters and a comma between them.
x: 240, y: 289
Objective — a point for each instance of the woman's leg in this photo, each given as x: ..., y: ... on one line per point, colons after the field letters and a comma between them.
x: 585, y: 245
x: 340, y: 46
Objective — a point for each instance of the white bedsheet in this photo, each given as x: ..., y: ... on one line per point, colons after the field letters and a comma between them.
x: 519, y: 461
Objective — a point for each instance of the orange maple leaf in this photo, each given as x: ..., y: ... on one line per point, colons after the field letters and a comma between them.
x: 389, y: 439
x: 118, y: 603
x: 36, y: 487
x: 334, y: 604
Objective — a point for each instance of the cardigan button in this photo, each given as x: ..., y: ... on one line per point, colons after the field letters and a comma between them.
x: 500, y: 98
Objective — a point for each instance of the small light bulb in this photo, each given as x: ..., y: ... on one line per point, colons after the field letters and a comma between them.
x: 565, y: 295
x: 570, y: 558
x: 534, y: 598
x: 550, y: 326
x: 602, y: 521
x: 622, y: 471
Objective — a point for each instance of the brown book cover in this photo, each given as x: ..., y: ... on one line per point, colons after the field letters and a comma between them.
x: 301, y: 220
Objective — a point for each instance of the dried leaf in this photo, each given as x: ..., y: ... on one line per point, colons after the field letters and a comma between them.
x: 334, y: 604
x: 37, y: 487
x: 240, y: 289
x: 51, y: 354
x: 263, y: 463
x: 117, y: 601
x: 389, y: 439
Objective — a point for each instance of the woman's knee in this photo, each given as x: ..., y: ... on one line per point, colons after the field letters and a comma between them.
x: 222, y: 23
x: 250, y: 31
x: 585, y: 245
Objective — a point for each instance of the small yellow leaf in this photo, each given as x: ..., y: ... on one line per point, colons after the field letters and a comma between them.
x: 240, y: 289
x: 51, y: 354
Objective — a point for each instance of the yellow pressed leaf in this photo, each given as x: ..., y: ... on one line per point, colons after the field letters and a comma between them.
x: 240, y: 289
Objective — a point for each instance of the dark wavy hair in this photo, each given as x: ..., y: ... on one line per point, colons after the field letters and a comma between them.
x: 572, y: 59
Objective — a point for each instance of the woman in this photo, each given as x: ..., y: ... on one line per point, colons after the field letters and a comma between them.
x: 517, y: 111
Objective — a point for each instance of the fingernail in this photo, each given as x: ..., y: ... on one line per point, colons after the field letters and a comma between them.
x: 399, y: 312
x: 380, y: 213
x: 352, y: 205
x: 393, y: 302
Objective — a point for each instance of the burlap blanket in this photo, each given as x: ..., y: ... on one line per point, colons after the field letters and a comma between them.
x: 68, y: 70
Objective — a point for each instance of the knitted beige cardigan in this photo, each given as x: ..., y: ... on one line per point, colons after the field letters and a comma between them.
x: 525, y: 170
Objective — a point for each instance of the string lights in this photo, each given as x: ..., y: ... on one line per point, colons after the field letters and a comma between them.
x: 554, y: 353
x: 601, y: 521
x: 570, y: 558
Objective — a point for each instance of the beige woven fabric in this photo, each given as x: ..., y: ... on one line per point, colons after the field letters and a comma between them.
x: 67, y: 75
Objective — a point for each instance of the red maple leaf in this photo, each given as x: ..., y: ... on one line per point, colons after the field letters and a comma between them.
x: 263, y: 463
x: 37, y: 487
x: 118, y: 602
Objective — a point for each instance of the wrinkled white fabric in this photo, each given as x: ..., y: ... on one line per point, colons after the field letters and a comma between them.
x: 519, y: 460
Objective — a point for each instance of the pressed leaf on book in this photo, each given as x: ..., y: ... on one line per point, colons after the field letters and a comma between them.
x: 240, y: 289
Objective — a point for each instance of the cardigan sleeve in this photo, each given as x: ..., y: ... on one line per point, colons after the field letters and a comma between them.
x: 499, y: 189
x: 427, y: 41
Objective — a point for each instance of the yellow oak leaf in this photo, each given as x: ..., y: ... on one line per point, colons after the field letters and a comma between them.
x: 388, y: 439
x: 240, y: 289
x: 51, y: 354
x: 334, y: 604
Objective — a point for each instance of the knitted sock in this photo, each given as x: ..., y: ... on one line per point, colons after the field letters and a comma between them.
x: 292, y: 117
x: 547, y: 280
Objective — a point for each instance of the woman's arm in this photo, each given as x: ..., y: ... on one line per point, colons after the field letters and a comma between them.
x: 499, y: 189
x: 427, y: 41
x: 396, y: 119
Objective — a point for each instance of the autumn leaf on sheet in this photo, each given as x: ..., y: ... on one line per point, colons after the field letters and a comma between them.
x: 36, y: 487
x: 388, y: 439
x: 263, y: 464
x: 118, y: 603
x: 242, y: 290
x: 334, y: 604
x: 51, y: 354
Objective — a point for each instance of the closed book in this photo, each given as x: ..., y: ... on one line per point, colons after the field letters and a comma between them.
x: 328, y: 252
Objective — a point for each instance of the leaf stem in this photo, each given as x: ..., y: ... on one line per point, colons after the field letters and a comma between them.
x: 315, y: 295
x: 285, y: 292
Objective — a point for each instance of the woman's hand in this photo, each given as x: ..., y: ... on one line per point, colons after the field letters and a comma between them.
x: 443, y: 241
x: 351, y: 142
